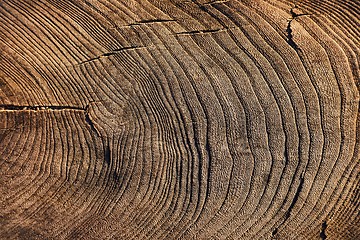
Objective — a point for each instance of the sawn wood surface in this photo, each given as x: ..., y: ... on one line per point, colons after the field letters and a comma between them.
x: 177, y: 119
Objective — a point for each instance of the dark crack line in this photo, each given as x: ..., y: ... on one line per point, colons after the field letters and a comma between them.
x: 204, y: 7
x: 274, y: 232
x: 107, y: 155
x: 294, y: 15
x: 293, y: 202
x: 201, y: 31
x: 89, y: 121
x: 296, y: 198
x: 150, y: 21
x: 115, y: 51
x: 216, y: 2
x: 323, y: 228
x: 290, y: 40
x: 11, y: 107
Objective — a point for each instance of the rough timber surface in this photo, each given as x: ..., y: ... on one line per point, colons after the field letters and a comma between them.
x: 176, y: 119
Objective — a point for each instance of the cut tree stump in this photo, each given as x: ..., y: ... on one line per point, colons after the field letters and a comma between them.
x: 175, y: 119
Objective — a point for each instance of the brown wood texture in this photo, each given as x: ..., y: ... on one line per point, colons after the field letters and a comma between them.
x: 175, y: 119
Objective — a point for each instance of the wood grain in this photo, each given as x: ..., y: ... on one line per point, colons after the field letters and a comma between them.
x: 174, y: 119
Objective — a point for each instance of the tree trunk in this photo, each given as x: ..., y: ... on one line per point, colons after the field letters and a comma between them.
x: 175, y: 119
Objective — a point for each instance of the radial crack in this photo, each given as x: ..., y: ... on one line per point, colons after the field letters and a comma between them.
x: 11, y: 107
x: 290, y: 40
x: 323, y: 228
x: 115, y: 51
x: 289, y: 31
x: 107, y: 154
x: 274, y: 232
x: 149, y: 21
x: 216, y: 2
x: 201, y: 31
x: 89, y: 121
x: 296, y: 197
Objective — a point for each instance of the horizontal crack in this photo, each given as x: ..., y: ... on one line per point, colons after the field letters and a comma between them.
x: 216, y: 2
x: 149, y: 21
x: 11, y: 107
x: 115, y: 51
x: 201, y: 31
x: 88, y: 119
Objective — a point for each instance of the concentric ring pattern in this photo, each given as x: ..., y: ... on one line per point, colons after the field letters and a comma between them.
x: 147, y: 119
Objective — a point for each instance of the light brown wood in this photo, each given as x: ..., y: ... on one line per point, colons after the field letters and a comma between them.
x: 174, y: 119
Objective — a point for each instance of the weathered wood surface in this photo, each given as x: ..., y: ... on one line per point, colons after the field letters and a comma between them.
x: 149, y: 119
